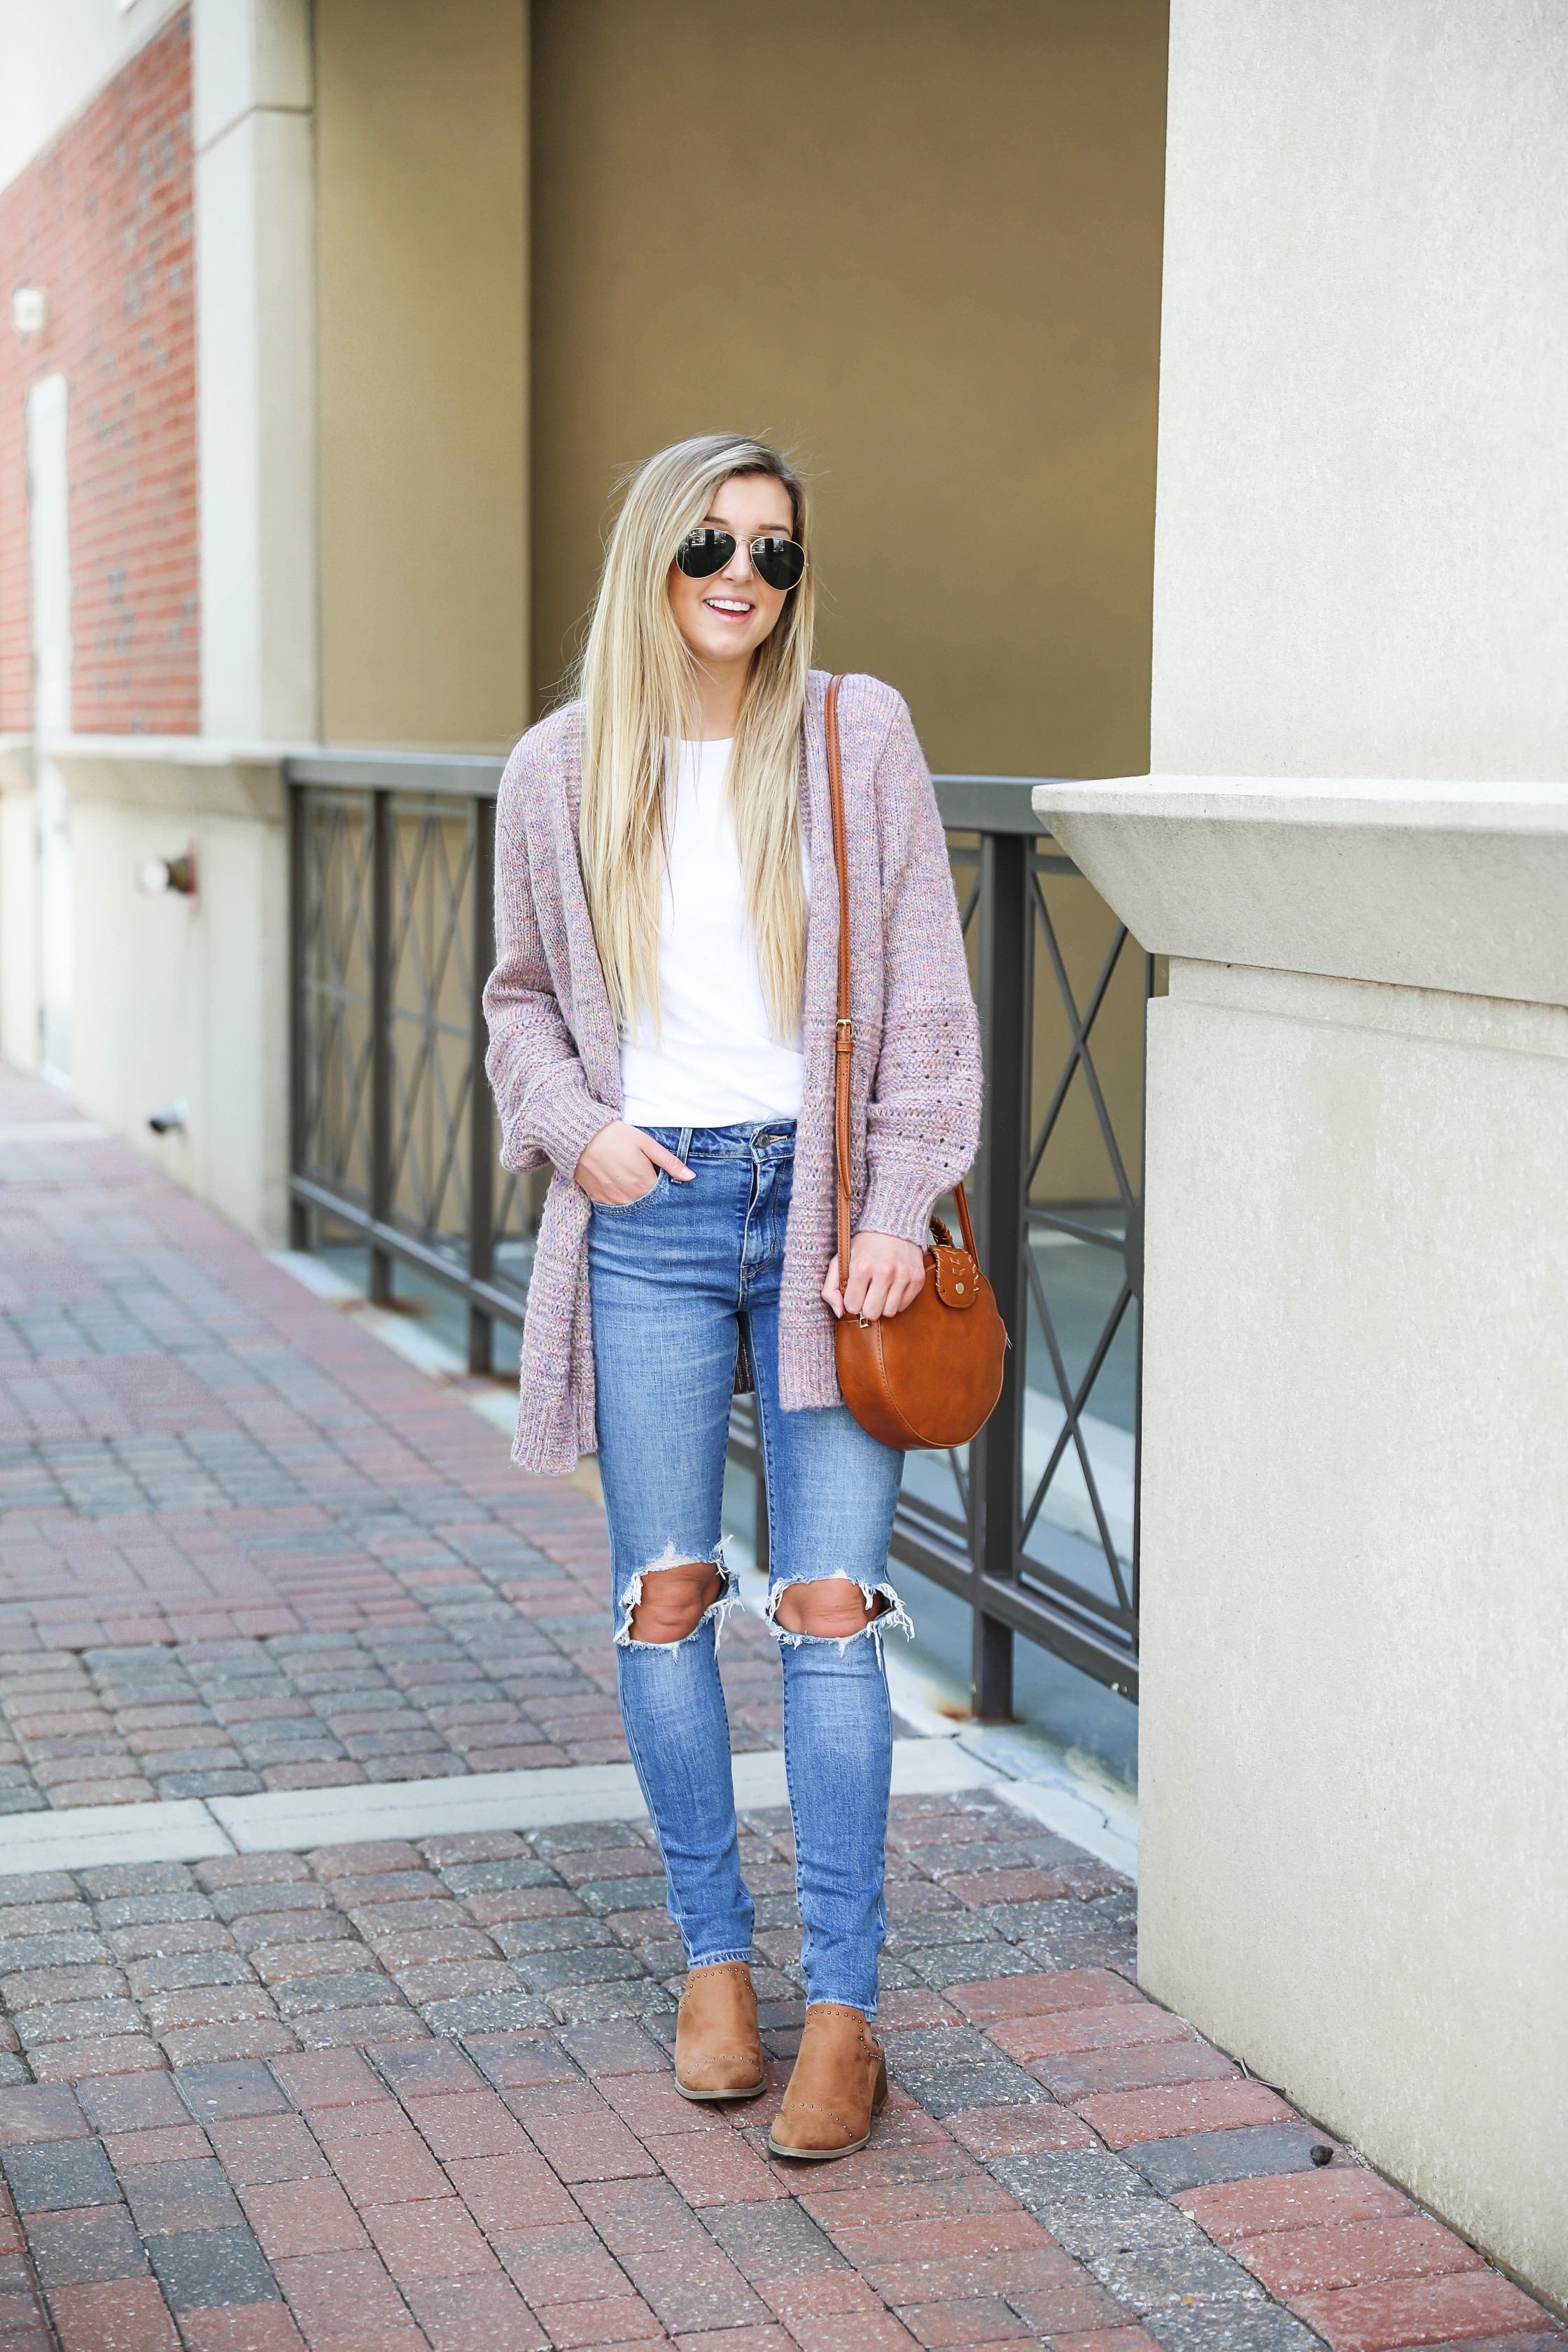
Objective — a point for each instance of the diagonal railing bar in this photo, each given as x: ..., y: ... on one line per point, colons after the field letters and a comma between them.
x: 451, y: 1114
x: 1097, y: 1236
x: 920, y: 1511
x: 1076, y: 1052
x: 966, y: 912
x: 430, y: 1180
x: 1073, y: 1400
x: 428, y: 975
x: 333, y: 846
x: 511, y: 1212
x: 1080, y: 1054
x: 433, y: 867
x: 408, y: 946
x: 327, y: 831
x: 341, y: 945
x: 1109, y: 1541
x: 1081, y: 1029
x: 422, y: 1095
x: 428, y: 1175
x: 1072, y: 1407
x: 1107, y: 1616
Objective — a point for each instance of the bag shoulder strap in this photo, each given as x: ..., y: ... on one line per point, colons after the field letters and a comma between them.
x: 844, y: 1034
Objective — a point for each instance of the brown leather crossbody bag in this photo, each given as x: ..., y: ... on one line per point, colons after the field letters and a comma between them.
x: 932, y: 1375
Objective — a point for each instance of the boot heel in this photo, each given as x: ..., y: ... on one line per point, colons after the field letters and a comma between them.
x: 879, y: 2097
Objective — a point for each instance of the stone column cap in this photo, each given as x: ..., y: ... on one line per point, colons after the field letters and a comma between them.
x: 199, y: 773
x: 1417, y: 882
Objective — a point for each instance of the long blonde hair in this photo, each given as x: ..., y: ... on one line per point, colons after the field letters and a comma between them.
x: 637, y: 680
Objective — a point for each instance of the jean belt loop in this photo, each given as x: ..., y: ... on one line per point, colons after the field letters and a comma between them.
x: 683, y: 1149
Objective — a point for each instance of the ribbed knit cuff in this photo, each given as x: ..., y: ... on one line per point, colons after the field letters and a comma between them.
x: 563, y: 1117
x: 900, y: 1201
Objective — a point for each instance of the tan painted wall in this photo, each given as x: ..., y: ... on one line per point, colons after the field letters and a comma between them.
x: 177, y: 999
x: 943, y: 293
x: 920, y: 243
x: 422, y: 121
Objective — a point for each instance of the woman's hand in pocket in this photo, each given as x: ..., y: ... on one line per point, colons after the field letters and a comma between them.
x: 886, y: 1274
x: 622, y: 1164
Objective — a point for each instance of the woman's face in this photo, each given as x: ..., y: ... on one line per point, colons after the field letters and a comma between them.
x: 724, y: 618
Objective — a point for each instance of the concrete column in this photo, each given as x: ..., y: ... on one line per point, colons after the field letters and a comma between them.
x: 256, y: 358
x: 1354, y: 849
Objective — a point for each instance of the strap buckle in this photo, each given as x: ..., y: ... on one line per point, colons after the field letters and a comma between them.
x: 844, y: 1021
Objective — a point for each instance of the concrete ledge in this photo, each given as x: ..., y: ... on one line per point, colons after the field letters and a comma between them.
x: 1453, y: 885
x: 18, y: 762
x: 180, y: 1829
x: 177, y: 771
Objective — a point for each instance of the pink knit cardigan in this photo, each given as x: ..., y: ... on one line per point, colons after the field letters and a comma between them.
x: 555, y: 1058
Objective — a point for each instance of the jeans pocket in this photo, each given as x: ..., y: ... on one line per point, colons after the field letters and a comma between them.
x: 629, y: 1208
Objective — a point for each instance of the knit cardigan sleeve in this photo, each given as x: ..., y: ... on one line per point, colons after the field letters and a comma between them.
x: 923, y: 1120
x: 546, y: 1108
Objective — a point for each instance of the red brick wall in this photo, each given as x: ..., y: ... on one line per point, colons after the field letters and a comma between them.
x: 103, y: 220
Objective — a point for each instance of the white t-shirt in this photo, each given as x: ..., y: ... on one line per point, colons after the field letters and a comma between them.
x: 718, y: 1065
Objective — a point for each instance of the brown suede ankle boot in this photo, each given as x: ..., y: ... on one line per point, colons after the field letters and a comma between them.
x: 839, y: 2082
x: 718, y: 2050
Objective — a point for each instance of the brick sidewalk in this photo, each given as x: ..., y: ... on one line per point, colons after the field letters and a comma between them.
x: 418, y: 2095
x: 245, y: 1546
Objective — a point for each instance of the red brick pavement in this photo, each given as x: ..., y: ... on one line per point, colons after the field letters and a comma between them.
x: 545, y: 2186
x: 245, y: 1546
x: 413, y: 2095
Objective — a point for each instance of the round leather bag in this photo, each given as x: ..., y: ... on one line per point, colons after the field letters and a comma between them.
x: 932, y: 1375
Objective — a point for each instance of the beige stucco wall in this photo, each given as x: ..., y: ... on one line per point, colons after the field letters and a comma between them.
x: 18, y: 908
x: 422, y: 121
x: 920, y: 245
x: 1355, y: 1507
x: 177, y: 1000
x: 1362, y: 561
x: 1354, y: 1737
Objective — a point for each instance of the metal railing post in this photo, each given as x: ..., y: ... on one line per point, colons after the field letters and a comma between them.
x: 996, y: 1457
x: 481, y: 1123
x: 380, y: 1283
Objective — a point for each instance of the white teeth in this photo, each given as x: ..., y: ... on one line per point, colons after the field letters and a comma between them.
x: 725, y: 604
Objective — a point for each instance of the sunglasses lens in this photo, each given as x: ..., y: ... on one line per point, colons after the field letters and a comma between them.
x: 779, y: 562
x: 703, y: 552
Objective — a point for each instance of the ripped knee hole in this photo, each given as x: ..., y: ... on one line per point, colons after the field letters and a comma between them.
x: 674, y: 1600
x: 830, y: 1607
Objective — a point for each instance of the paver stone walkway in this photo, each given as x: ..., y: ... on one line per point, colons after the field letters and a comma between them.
x: 385, y: 2097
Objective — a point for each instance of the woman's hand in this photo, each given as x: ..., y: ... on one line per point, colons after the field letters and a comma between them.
x: 622, y: 1164
x: 886, y: 1275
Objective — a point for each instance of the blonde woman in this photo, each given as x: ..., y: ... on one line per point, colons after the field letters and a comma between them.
x: 662, y: 1024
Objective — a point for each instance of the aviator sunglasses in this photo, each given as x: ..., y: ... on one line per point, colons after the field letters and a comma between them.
x: 779, y: 562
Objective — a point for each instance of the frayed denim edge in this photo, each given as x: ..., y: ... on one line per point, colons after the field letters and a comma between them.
x: 894, y: 1619
x: 716, y: 1614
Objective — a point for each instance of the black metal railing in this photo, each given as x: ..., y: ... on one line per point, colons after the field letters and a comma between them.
x: 393, y: 1144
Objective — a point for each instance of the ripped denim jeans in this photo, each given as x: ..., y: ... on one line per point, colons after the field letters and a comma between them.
x: 678, y: 1278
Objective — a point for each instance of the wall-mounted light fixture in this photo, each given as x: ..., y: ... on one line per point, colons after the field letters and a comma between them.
x: 155, y: 876
x: 170, y: 1121
x: 30, y: 309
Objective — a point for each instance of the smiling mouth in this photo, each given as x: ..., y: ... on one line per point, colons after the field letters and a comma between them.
x: 729, y: 608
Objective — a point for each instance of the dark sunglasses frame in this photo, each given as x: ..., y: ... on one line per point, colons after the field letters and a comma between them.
x: 780, y: 562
